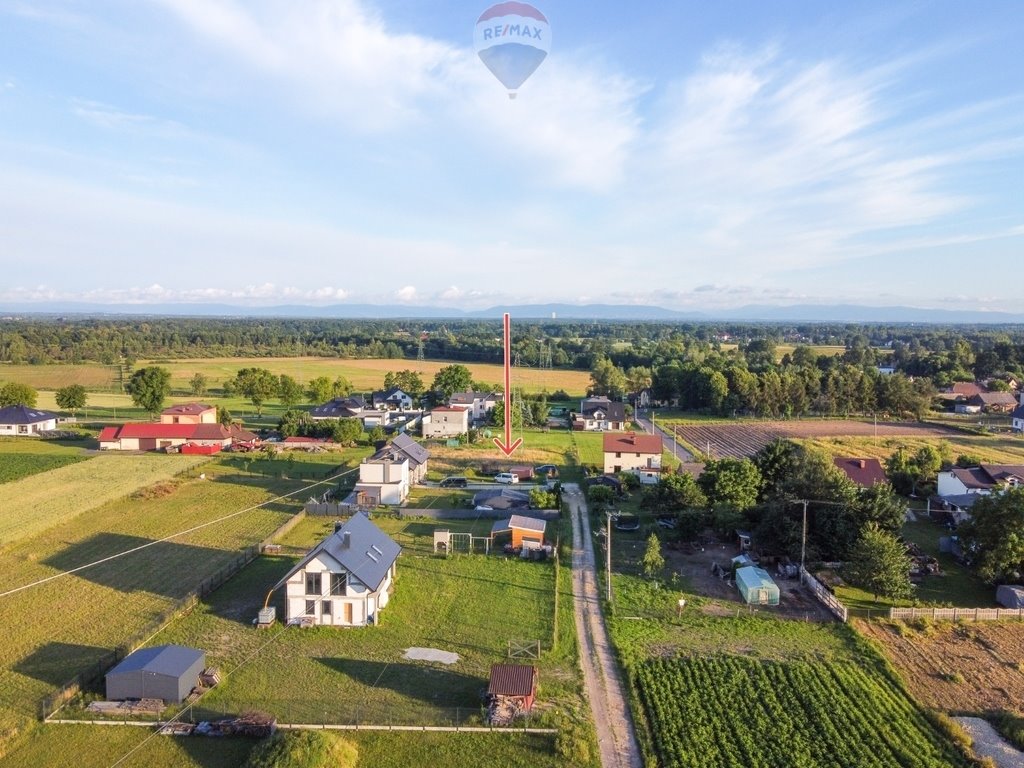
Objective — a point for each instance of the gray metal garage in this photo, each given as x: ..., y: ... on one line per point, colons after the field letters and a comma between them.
x: 167, y: 672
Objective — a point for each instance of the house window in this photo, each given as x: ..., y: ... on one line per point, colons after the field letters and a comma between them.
x: 313, y: 584
x: 339, y: 581
x: 325, y: 608
x: 310, y: 608
x: 618, y: 454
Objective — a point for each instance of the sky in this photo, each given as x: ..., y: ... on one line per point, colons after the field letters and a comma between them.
x: 689, y: 155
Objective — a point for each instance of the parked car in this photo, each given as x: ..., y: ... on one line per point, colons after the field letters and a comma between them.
x: 454, y: 482
x: 506, y: 477
x: 546, y: 469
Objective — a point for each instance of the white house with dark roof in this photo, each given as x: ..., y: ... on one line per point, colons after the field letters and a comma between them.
x: 346, y: 579
x: 1017, y: 417
x: 387, y: 476
x: 20, y: 420
x: 598, y: 414
x: 393, y: 399
x: 984, y: 479
x: 339, y: 408
x: 416, y: 453
x: 477, y: 404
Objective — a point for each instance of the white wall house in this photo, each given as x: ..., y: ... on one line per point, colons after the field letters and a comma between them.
x: 987, y: 478
x: 346, y: 580
x: 383, y: 479
x: 477, y: 404
x: 1017, y: 417
x: 20, y: 420
x: 446, y: 421
x: 631, y: 452
x: 392, y: 398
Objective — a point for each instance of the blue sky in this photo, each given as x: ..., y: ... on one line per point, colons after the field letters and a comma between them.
x: 693, y: 156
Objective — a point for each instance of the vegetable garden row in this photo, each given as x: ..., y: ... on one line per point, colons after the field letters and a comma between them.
x: 731, y: 711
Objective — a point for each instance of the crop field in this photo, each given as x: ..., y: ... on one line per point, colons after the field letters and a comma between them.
x: 472, y: 605
x: 23, y: 457
x: 365, y: 375
x: 67, y: 625
x: 36, y: 503
x: 961, y: 668
x: 85, y: 746
x: 730, y: 712
x: 992, y: 449
x: 739, y: 439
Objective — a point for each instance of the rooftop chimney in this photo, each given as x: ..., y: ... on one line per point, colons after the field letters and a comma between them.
x: 861, y: 463
x: 346, y: 539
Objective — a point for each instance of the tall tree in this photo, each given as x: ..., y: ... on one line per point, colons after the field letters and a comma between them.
x: 995, y: 536
x: 653, y: 563
x: 319, y: 390
x: 673, y: 494
x: 289, y: 391
x: 198, y: 384
x: 451, y: 379
x: 257, y: 384
x: 879, y: 564
x: 149, y: 388
x: 71, y: 398
x: 408, y: 381
x: 607, y: 379
x: 732, y: 482
x: 341, y: 387
x: 16, y: 393
x: 638, y: 378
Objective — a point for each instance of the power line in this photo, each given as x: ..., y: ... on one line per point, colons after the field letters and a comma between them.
x: 173, y: 536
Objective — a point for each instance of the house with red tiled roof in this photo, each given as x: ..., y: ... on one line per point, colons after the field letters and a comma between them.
x: 864, y: 472
x: 156, y: 437
x: 632, y: 452
x: 189, y: 413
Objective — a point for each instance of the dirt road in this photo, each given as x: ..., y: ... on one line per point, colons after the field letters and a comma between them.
x: 605, y: 689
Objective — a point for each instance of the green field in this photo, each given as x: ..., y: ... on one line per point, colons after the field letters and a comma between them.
x: 472, y: 605
x: 69, y: 625
x: 36, y: 503
x: 365, y: 375
x: 82, y: 746
x: 733, y: 712
x: 23, y: 457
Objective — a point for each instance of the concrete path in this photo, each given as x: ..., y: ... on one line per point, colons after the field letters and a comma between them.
x: 605, y: 688
x: 668, y: 442
x: 988, y: 743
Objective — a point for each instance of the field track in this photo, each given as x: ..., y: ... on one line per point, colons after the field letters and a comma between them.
x: 747, y: 438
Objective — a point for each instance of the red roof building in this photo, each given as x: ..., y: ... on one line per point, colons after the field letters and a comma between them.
x: 150, y: 437
x: 630, y: 452
x: 863, y: 472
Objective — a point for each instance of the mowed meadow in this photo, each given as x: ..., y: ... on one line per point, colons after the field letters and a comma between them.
x: 68, y: 624
x: 365, y: 375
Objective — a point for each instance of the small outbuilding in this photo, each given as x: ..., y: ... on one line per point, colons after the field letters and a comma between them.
x: 511, y: 692
x: 757, y: 586
x: 167, y: 672
x: 526, y: 531
x: 1010, y: 596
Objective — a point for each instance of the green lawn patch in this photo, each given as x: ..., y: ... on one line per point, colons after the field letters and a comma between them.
x: 23, y: 457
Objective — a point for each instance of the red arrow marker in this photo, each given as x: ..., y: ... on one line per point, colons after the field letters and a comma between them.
x: 508, y: 446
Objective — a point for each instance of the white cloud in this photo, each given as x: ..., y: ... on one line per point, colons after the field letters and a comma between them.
x: 407, y: 294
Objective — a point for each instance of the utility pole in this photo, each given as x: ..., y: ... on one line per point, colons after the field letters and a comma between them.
x: 803, y: 542
x: 608, y: 545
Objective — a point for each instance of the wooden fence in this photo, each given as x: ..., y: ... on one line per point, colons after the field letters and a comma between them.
x: 958, y: 614
x: 93, y: 675
x: 825, y: 597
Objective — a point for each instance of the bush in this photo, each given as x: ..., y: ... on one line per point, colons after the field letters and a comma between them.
x: 951, y: 729
x: 303, y: 749
x: 573, y: 746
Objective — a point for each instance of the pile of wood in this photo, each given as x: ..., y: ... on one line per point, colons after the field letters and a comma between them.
x: 503, y: 710
x: 209, y: 677
x: 130, y: 707
x: 256, y: 725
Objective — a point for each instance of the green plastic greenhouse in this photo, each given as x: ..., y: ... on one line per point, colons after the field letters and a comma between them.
x: 757, y: 586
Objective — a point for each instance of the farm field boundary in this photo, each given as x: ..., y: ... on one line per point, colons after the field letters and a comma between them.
x: 329, y: 727
x: 957, y: 614
x: 825, y: 597
x: 746, y: 438
x: 90, y: 677
x: 38, y: 502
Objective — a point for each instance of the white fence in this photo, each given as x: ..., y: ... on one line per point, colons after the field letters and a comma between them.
x: 958, y: 614
x: 825, y: 597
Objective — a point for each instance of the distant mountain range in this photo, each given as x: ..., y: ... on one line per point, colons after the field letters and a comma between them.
x: 810, y: 313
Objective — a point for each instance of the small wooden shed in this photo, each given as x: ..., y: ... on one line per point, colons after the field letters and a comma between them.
x: 511, y: 692
x: 526, y: 531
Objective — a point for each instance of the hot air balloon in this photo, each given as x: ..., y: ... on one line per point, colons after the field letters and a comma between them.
x: 512, y: 39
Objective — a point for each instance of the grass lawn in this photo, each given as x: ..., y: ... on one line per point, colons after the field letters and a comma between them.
x: 107, y: 605
x: 36, y: 503
x: 24, y: 456
x: 994, y: 449
x: 956, y: 586
x: 471, y: 605
x: 83, y: 746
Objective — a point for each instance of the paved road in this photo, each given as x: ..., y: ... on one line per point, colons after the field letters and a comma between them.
x: 667, y: 441
x: 605, y: 689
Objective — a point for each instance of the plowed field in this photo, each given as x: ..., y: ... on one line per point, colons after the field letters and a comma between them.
x: 747, y: 438
x: 967, y: 667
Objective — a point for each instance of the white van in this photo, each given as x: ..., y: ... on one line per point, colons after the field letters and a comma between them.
x: 507, y: 478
